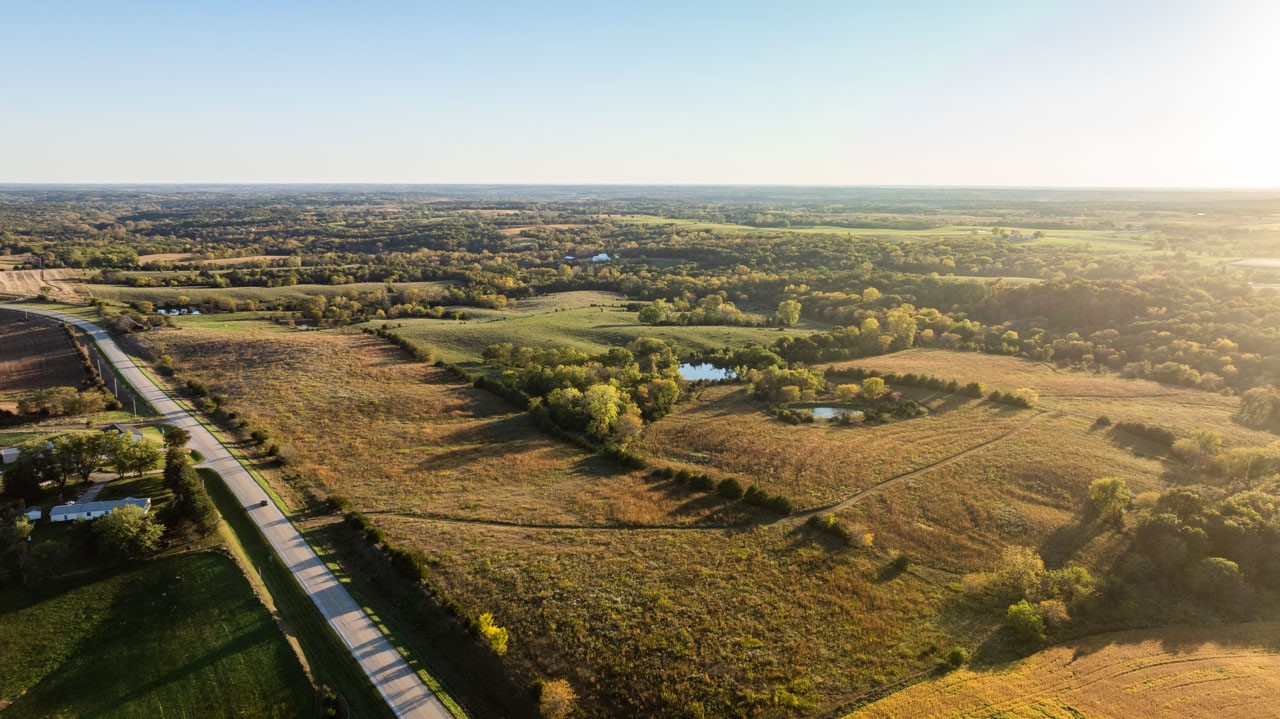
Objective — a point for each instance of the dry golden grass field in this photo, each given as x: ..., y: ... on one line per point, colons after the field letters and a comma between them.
x: 191, y: 256
x: 34, y: 356
x: 1228, y: 671
x: 65, y: 285
x: 654, y: 600
x: 1079, y: 393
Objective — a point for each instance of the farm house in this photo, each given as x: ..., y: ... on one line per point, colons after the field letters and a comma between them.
x: 93, y: 510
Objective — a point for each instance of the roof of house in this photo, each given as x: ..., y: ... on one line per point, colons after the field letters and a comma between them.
x: 82, y: 507
x: 121, y: 428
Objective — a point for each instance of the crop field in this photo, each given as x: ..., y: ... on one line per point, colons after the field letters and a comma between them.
x: 182, y: 636
x: 65, y: 285
x: 588, y: 321
x: 1231, y: 670
x: 173, y: 295
x: 34, y: 355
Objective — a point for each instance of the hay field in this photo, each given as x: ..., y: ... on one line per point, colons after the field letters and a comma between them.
x: 1230, y: 671
x: 66, y: 284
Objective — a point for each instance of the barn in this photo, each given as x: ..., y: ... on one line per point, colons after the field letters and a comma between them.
x: 93, y: 510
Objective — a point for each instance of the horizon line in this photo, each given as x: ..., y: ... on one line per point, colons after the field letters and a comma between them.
x: 323, y: 183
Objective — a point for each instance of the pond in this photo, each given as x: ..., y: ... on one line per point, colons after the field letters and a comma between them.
x: 834, y: 412
x: 704, y: 371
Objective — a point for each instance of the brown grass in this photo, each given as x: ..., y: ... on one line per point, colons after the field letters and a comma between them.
x: 1221, y: 671
x: 640, y: 593
x: 177, y: 257
x: 66, y: 285
x: 1079, y: 393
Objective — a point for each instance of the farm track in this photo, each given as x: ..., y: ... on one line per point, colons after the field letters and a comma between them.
x: 788, y: 520
x: 860, y: 495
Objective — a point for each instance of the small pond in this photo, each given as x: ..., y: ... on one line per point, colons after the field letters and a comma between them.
x: 704, y: 371
x: 834, y: 412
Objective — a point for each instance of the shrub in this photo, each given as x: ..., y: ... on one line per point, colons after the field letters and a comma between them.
x: 496, y: 636
x: 958, y: 657
x: 730, y: 488
x: 703, y: 482
x: 259, y: 436
x: 1024, y: 620
x: 902, y: 562
x: 1102, y: 421
x: 557, y: 700
x: 832, y: 525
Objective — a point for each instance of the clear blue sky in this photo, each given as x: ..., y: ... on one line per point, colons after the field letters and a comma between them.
x: 1053, y: 92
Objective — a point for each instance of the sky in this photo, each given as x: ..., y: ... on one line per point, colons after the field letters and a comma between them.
x: 1098, y: 93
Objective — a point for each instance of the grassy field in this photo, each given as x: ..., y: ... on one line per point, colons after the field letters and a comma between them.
x: 265, y: 295
x: 588, y: 321
x: 34, y: 355
x: 1229, y: 670
x: 657, y: 601
x: 1081, y: 394
x: 181, y: 636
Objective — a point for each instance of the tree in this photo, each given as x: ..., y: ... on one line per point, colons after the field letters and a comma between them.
x: 127, y: 532
x: 1024, y: 620
x: 557, y: 700
x: 133, y: 456
x: 81, y: 454
x: 176, y: 437
x: 788, y: 313
x: 872, y: 387
x: 1109, y: 498
x: 191, y: 502
x: 847, y: 392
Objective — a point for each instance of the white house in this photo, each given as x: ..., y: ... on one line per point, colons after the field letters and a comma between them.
x: 33, y: 514
x: 9, y: 455
x: 93, y: 510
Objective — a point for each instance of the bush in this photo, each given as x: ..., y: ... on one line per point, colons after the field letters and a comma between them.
x: 259, y: 436
x: 1024, y: 620
x: 703, y: 482
x: 902, y: 563
x: 958, y: 657
x: 1102, y: 421
x: 496, y: 636
x: 730, y: 488
x: 557, y: 700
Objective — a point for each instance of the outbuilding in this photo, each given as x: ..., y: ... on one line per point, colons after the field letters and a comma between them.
x: 33, y: 514
x: 92, y: 510
x: 9, y: 455
x: 124, y: 430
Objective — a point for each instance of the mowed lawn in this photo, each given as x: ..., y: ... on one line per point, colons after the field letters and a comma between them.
x: 1231, y: 670
x: 182, y: 636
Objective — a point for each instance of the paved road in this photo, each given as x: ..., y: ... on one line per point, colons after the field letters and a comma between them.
x: 403, y: 689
